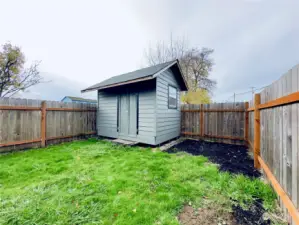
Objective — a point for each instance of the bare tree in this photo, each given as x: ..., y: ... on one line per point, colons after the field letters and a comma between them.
x: 13, y: 76
x: 165, y: 52
x: 196, y: 63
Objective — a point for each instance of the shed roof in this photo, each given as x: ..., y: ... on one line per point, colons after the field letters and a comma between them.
x: 81, y: 99
x: 137, y: 76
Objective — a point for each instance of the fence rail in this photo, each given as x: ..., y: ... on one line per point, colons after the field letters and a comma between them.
x: 29, y: 123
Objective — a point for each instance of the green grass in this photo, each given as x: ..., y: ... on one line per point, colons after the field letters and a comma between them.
x: 96, y: 182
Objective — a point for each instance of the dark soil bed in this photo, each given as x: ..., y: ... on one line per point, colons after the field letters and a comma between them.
x: 254, y: 215
x: 231, y: 158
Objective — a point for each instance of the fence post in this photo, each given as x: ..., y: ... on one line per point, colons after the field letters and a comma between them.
x: 43, y: 124
x: 257, y: 130
x: 201, y: 120
x: 246, y: 121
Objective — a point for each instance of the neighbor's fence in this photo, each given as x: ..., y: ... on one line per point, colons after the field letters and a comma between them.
x: 26, y: 123
x: 222, y: 122
x: 273, y: 136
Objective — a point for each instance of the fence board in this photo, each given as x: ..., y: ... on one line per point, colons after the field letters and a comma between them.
x: 289, y: 138
x: 279, y: 132
x: 296, y: 158
x: 294, y: 121
x: 217, y: 124
x: 19, y: 125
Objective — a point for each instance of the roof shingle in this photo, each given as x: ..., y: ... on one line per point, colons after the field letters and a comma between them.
x: 81, y: 99
x: 142, y: 73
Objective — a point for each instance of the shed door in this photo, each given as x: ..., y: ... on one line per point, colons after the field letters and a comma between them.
x: 128, y: 115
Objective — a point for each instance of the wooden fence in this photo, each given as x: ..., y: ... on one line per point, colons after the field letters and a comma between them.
x: 222, y: 122
x: 273, y: 136
x: 26, y: 123
x: 270, y: 126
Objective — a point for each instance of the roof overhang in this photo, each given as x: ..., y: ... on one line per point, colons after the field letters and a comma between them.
x: 119, y: 84
x: 150, y: 77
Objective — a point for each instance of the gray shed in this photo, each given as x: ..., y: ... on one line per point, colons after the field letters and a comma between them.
x: 141, y: 106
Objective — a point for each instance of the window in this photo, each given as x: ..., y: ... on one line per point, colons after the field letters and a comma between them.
x: 172, y: 97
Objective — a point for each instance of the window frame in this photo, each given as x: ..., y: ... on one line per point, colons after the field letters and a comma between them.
x: 137, y: 112
x: 176, y: 102
x: 117, y: 117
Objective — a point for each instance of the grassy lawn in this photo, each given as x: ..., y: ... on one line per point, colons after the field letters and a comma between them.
x: 96, y: 182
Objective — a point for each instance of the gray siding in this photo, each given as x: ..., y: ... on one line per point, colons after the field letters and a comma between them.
x: 107, y: 114
x: 168, y: 120
x: 147, y: 116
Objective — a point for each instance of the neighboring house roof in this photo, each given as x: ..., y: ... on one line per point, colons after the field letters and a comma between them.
x: 137, y: 76
x: 80, y: 99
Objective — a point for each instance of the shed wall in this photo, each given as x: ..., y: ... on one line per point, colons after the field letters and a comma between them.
x: 107, y: 113
x: 147, y: 116
x: 168, y: 120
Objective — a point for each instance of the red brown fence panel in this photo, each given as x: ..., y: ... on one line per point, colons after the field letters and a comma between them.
x: 27, y: 123
x: 222, y: 122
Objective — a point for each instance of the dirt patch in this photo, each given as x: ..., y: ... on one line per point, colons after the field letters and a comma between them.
x: 231, y: 158
x: 205, y: 216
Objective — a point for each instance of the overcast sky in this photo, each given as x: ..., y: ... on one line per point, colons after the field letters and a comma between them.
x: 84, y: 42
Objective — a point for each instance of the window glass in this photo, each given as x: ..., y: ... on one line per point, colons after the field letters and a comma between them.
x: 172, y: 97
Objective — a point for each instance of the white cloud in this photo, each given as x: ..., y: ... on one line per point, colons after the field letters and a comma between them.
x: 55, y: 88
x: 85, y: 42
